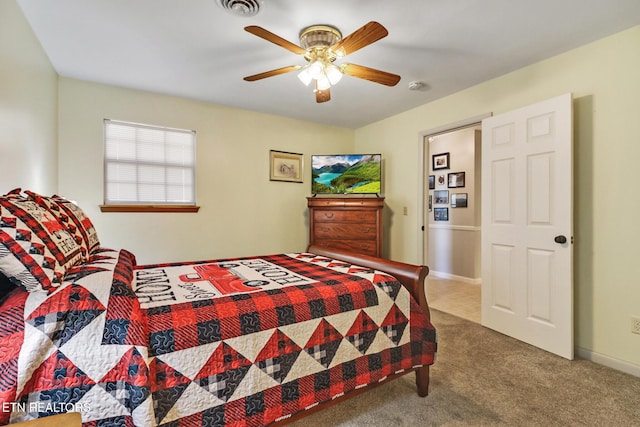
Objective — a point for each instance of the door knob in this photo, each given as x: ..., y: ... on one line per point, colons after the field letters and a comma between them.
x: 560, y: 239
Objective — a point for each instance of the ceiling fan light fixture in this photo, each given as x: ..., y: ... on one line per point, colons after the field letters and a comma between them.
x: 333, y: 73
x: 305, y: 76
x: 316, y: 69
x: 325, y: 73
x: 323, y: 83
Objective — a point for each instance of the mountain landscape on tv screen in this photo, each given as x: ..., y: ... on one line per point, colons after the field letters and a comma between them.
x: 346, y: 174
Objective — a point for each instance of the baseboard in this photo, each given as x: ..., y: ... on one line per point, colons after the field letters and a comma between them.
x: 450, y: 276
x: 610, y: 362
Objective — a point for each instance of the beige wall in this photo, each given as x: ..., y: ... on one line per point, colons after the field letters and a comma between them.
x: 453, y: 246
x: 603, y: 77
x: 28, y: 107
x: 242, y: 211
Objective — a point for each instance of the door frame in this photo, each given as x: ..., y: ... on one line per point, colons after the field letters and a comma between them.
x: 423, y: 152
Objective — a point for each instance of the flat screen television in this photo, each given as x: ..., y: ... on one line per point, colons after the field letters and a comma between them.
x: 346, y: 173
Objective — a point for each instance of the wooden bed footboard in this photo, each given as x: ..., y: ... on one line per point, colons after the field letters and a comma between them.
x: 411, y: 276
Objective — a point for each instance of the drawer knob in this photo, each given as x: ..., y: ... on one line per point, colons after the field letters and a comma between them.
x: 328, y: 214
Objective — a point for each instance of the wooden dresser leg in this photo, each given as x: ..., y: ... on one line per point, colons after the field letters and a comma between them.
x: 422, y: 381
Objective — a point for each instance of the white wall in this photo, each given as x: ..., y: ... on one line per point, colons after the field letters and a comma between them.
x: 242, y: 212
x: 28, y: 107
x: 603, y: 77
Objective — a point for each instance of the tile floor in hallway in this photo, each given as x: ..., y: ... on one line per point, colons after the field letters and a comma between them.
x: 454, y: 297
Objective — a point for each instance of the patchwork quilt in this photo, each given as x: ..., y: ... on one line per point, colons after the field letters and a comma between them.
x: 241, y: 342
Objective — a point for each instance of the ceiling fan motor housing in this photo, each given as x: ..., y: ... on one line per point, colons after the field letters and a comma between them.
x: 317, y: 40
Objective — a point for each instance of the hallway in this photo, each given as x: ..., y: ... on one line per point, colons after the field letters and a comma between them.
x: 454, y: 297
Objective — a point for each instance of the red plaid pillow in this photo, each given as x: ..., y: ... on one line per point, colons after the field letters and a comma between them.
x: 14, y: 192
x: 35, y: 249
x: 73, y: 219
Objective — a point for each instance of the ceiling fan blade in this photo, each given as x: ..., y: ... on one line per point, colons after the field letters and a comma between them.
x: 369, y: 33
x: 322, y: 95
x: 370, y: 74
x: 270, y: 37
x: 272, y: 73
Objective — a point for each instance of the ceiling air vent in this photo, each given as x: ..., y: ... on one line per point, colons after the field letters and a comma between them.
x: 241, y: 7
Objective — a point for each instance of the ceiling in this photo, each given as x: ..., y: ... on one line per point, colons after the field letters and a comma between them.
x: 195, y: 49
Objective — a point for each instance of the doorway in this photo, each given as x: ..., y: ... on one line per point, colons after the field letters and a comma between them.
x: 450, y: 194
x: 451, y: 296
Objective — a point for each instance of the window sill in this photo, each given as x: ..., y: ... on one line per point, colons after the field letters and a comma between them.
x: 149, y: 208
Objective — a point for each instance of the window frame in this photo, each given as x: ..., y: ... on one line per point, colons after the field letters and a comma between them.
x: 142, y: 206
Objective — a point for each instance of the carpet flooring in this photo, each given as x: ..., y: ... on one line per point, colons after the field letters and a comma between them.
x: 484, y: 378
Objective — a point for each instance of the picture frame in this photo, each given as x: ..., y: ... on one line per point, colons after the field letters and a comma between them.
x: 285, y: 166
x: 441, y: 197
x: 459, y: 200
x: 432, y: 182
x: 455, y: 179
x: 441, y: 214
x: 430, y: 202
x: 440, y: 161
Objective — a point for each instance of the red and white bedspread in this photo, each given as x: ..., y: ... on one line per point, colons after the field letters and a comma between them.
x: 228, y: 342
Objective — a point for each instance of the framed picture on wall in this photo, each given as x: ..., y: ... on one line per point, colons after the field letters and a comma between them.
x: 455, y: 180
x: 441, y: 214
x: 440, y: 161
x: 441, y: 197
x: 284, y: 166
x: 430, y: 202
x: 459, y: 200
x: 432, y: 182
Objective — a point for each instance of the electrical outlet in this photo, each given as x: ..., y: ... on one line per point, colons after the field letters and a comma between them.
x: 405, y: 210
x: 635, y: 324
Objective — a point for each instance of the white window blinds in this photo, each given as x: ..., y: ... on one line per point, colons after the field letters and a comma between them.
x: 148, y: 165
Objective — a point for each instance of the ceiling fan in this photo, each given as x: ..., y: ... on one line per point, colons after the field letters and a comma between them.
x: 321, y: 46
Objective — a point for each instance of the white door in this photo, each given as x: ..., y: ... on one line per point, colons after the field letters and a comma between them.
x: 527, y: 225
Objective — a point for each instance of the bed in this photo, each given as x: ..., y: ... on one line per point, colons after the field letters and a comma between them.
x: 246, y: 341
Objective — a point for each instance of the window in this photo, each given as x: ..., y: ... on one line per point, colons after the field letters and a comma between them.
x: 148, y: 168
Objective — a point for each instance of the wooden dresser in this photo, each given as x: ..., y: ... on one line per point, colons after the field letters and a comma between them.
x: 352, y: 223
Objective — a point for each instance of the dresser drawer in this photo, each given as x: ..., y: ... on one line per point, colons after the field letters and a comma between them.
x: 368, y: 247
x: 361, y: 216
x: 337, y: 230
x: 346, y: 202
